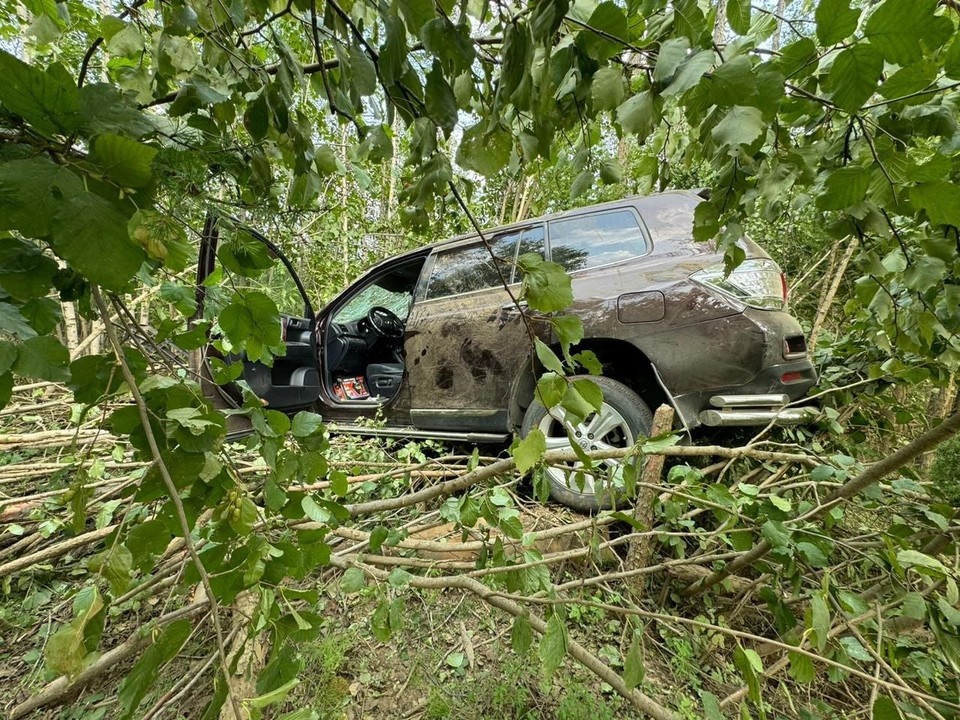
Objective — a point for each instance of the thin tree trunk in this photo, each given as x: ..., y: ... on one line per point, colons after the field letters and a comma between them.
x: 641, y: 548
x: 524, y: 208
x: 720, y: 28
x: 831, y: 293
x: 775, y: 40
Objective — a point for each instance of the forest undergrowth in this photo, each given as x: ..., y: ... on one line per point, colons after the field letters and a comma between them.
x: 780, y: 578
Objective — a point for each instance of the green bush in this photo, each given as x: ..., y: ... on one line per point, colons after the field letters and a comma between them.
x: 945, y: 473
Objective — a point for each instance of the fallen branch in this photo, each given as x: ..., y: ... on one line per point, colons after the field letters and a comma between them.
x: 63, y: 688
x: 641, y: 701
x: 868, y: 477
x: 54, y: 551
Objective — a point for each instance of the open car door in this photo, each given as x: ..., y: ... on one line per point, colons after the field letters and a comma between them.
x: 238, y: 264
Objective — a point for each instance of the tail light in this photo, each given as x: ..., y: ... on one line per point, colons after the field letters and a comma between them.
x: 757, y: 282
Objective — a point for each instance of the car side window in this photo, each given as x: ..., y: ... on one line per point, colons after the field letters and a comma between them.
x: 597, y: 239
x: 465, y: 269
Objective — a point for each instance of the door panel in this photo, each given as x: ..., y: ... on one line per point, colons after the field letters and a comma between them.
x: 238, y: 260
x: 466, y: 346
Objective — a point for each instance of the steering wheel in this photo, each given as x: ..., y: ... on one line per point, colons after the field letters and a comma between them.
x: 385, y: 322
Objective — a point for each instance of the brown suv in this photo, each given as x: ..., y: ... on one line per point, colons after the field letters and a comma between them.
x: 430, y: 341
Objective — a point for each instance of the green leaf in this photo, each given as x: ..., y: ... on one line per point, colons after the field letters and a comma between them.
x: 8, y: 354
x: 885, y: 709
x: 690, y: 72
x: 590, y: 392
x: 306, y: 424
x: 813, y: 555
x: 551, y: 389
x: 115, y: 564
x: 914, y: 605
x: 950, y: 613
x: 836, y: 20
x: 546, y: 285
x: 314, y: 511
x: 711, y: 706
x: 568, y: 329
x: 528, y: 452
x: 607, y: 88
x: 46, y: 99
x: 854, y: 75
x: 353, y: 580
x: 546, y: 18
x: 581, y: 183
x: 802, y: 668
x: 855, y: 649
x: 43, y: 358
x: 940, y: 200
x: 416, y: 14
x: 364, y: 72
x: 273, y: 697
x: 742, y: 125
x: 547, y: 357
x: 672, y: 53
x: 147, y: 540
x: 126, y: 162
x: 633, y: 671
x: 733, y: 81
x: 610, y: 22
x: 252, y: 321
x: 915, y: 559
x: 553, y: 646
x: 451, y: 45
x: 144, y: 673
x: 750, y: 666
x: 88, y: 229
x: 399, y: 578
x: 13, y: 323
x: 820, y: 620
x: 441, y: 105
x: 393, y: 53
x: 897, y: 28
x: 32, y: 192
x: 484, y: 152
x: 951, y: 59
x: 909, y: 80
x: 844, y: 188
x: 521, y: 634
x: 738, y: 15
x: 776, y: 533
x: 6, y: 388
x: 639, y: 115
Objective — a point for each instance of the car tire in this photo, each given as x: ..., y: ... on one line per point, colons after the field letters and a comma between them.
x: 624, y: 416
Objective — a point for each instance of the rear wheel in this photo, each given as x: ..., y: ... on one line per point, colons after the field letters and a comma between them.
x: 623, y: 417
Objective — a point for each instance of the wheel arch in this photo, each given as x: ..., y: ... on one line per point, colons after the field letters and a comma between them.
x: 622, y: 361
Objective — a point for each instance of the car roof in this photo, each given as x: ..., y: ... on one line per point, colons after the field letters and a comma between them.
x: 635, y: 201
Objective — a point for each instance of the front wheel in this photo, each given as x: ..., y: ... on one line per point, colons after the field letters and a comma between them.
x: 623, y: 417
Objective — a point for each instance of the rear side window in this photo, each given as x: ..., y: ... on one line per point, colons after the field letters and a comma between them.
x: 465, y: 269
x: 598, y: 239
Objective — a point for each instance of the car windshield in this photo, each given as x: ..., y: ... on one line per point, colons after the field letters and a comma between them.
x: 360, y: 304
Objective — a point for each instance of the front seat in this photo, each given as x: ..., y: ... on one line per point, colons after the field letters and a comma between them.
x: 383, y: 379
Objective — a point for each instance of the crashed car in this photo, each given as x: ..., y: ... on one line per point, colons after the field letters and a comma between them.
x: 431, y: 344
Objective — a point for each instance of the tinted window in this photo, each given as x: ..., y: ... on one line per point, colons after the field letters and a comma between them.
x: 599, y: 239
x: 465, y: 269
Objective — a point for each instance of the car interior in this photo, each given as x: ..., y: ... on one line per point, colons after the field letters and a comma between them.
x: 363, y: 342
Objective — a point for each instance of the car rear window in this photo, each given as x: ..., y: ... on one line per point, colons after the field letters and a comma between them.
x: 468, y: 268
x: 588, y: 241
